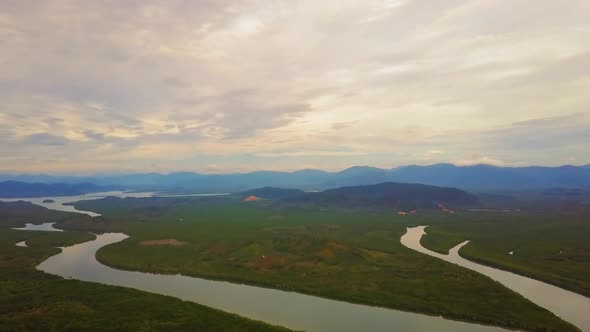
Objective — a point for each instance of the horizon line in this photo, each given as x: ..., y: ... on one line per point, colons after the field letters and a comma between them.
x: 116, y: 173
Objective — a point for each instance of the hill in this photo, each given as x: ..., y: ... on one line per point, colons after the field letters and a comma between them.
x: 493, y: 177
x: 402, y: 196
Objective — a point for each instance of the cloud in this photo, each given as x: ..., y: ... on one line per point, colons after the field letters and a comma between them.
x: 342, y: 125
x: 479, y: 160
x: 241, y: 113
x: 100, y: 86
x: 91, y: 134
x: 45, y: 139
x: 567, y: 119
x: 309, y: 153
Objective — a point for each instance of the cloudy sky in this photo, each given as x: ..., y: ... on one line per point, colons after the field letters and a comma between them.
x: 218, y: 86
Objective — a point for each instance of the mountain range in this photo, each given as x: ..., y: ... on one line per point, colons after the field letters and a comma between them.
x: 16, y: 189
x: 476, y: 177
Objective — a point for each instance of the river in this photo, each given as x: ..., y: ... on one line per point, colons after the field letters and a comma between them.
x: 570, y: 306
x: 289, y: 309
x: 46, y: 227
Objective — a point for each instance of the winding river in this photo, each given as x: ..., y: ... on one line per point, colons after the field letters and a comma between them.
x: 289, y: 309
x: 570, y: 306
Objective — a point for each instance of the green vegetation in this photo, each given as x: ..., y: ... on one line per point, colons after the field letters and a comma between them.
x: 401, y: 196
x: 352, y: 255
x: 550, y: 247
x: 31, y: 300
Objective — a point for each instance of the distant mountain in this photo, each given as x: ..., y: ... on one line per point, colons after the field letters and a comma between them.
x: 565, y: 192
x: 273, y: 193
x: 401, y: 196
x: 15, y: 189
x: 492, y: 177
x: 477, y: 177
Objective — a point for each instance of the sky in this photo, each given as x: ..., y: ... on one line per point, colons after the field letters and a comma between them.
x: 224, y: 86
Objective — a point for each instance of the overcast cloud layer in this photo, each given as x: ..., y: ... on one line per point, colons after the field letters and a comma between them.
x: 217, y: 86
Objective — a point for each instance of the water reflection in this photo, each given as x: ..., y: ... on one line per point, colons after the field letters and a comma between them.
x: 570, y: 306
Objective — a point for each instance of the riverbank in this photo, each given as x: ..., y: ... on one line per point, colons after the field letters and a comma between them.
x: 352, y: 256
x: 348, y: 255
x: 35, y: 301
x: 290, y: 309
x: 550, y: 248
x: 570, y: 306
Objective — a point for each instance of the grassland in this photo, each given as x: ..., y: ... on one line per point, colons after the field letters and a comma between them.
x: 342, y: 254
x: 31, y: 300
x: 550, y: 247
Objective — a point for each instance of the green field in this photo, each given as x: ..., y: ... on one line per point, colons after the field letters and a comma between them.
x: 352, y: 255
x: 31, y: 300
